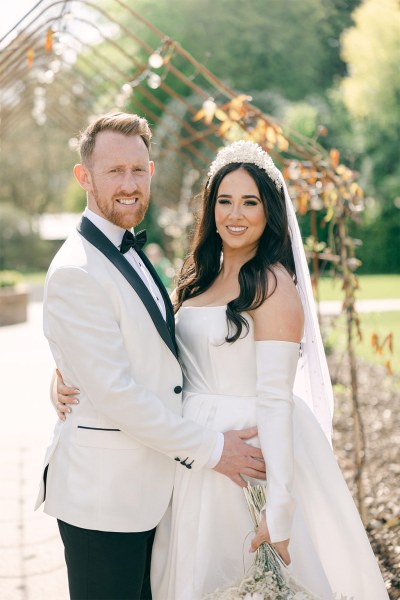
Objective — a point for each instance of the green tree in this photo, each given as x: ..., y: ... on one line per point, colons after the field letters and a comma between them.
x: 371, y: 50
x: 288, y: 47
x: 75, y: 197
x: 371, y: 93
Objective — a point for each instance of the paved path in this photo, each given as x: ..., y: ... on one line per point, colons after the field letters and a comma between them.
x: 31, y: 553
x: 334, y: 307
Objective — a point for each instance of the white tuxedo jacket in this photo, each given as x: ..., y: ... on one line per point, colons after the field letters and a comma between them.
x: 111, y: 464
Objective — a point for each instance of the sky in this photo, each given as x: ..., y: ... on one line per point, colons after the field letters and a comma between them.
x: 16, y: 9
x: 11, y: 13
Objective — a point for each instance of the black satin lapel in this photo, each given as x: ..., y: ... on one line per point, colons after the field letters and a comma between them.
x: 167, y: 301
x: 93, y: 235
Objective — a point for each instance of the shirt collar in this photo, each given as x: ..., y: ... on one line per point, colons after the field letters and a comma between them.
x: 113, y: 232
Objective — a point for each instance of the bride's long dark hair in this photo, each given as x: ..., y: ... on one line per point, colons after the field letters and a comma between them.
x: 203, y: 264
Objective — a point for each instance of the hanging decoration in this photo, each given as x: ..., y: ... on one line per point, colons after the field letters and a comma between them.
x: 30, y: 55
x: 49, y: 41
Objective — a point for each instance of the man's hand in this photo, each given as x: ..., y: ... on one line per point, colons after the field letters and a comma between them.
x: 262, y: 536
x: 239, y: 458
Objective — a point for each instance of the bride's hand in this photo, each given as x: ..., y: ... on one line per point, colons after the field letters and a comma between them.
x: 63, y: 397
x: 262, y: 536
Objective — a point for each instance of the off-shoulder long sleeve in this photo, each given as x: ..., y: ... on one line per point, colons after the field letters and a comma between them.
x: 276, y: 370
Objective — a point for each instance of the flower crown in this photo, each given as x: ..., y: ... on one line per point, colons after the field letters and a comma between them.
x: 245, y: 152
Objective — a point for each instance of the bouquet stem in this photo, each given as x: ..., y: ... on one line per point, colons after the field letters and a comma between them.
x: 268, y: 579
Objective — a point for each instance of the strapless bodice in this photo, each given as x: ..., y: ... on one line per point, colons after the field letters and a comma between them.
x: 210, y: 364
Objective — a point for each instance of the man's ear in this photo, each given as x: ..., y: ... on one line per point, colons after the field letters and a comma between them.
x: 151, y: 165
x: 82, y: 175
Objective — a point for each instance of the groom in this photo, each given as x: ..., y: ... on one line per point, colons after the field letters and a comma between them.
x: 110, y: 468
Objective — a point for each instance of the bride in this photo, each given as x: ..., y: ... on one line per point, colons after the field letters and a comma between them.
x: 244, y: 315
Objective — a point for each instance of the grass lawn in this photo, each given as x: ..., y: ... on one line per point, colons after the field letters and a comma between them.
x: 35, y: 277
x: 372, y: 287
x: 380, y: 324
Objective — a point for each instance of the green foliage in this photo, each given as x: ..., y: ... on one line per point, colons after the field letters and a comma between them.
x: 9, y: 278
x: 380, y: 250
x: 302, y: 117
x: 287, y: 54
x: 372, y: 51
x: 371, y: 93
x: 34, y: 169
x: 21, y: 248
x: 75, y: 197
x: 361, y: 118
x: 154, y: 232
x: 285, y: 46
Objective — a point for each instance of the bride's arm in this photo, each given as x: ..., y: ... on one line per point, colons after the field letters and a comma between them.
x: 62, y: 396
x: 278, y: 326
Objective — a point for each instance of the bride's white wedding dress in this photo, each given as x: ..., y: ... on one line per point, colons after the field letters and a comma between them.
x: 202, y: 542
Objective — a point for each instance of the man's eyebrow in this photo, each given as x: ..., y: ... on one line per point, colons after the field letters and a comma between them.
x: 122, y: 165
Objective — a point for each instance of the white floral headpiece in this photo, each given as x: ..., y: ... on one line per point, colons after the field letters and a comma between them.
x: 245, y: 152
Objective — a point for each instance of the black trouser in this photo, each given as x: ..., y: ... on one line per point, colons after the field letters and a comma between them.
x: 104, y: 565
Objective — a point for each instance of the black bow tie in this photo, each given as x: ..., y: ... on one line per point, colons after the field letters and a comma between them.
x: 133, y: 241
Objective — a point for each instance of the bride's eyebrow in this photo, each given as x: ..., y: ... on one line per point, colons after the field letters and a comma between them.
x: 245, y: 196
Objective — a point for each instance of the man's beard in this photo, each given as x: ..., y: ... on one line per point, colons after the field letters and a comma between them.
x: 116, y: 216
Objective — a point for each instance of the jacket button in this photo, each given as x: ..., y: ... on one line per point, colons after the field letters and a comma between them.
x: 177, y: 389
